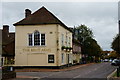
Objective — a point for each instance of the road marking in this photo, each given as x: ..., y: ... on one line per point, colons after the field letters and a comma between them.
x: 27, y: 77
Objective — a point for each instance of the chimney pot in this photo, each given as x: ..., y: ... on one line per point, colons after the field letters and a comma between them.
x: 5, y: 30
x: 6, y: 27
x: 27, y: 12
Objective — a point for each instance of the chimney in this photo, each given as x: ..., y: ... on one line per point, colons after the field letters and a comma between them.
x: 27, y: 12
x: 5, y: 30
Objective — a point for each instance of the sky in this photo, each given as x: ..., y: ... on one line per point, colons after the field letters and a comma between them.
x: 100, y: 17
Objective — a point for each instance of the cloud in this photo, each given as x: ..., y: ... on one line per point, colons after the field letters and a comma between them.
x: 101, y: 17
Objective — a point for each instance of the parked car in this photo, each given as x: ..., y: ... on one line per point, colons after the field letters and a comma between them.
x: 115, y: 62
x: 106, y: 60
x: 110, y: 60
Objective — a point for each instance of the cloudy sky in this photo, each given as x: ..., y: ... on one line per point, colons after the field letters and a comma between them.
x: 101, y: 17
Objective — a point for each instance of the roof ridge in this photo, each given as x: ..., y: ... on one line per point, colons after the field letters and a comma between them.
x: 41, y: 16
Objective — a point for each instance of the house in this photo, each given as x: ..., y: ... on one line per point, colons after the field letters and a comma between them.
x: 77, y: 56
x: 42, y: 40
x: 8, y: 46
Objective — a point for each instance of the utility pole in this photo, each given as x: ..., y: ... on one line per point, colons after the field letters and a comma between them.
x: 118, y: 69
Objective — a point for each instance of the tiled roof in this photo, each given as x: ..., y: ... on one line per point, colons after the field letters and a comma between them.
x: 41, y: 16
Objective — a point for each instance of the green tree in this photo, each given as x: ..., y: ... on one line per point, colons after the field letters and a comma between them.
x: 116, y: 44
x: 83, y: 33
x: 92, y: 48
x: 89, y: 46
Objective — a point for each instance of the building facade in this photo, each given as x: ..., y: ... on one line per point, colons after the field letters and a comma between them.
x: 8, y: 46
x: 41, y: 39
x: 76, y: 45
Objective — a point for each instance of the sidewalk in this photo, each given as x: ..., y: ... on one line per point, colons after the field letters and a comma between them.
x: 51, y: 70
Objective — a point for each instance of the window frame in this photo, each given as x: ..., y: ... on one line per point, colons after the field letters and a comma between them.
x: 62, y: 39
x: 39, y: 39
x: 62, y: 58
x: 33, y: 39
x: 29, y: 40
x: 44, y: 39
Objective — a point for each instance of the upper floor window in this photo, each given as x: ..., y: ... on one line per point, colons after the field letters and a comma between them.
x: 62, y: 39
x: 36, y: 39
x: 42, y: 39
x: 69, y: 41
x: 30, y: 40
x: 66, y: 40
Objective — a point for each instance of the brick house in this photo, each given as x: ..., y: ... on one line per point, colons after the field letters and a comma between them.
x: 8, y: 45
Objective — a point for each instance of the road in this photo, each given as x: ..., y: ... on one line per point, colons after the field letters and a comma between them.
x: 93, y: 71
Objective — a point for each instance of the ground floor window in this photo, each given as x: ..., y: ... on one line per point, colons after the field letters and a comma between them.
x: 50, y: 58
x: 62, y: 57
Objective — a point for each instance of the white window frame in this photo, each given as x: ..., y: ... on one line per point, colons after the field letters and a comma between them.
x: 40, y: 39
x: 62, y: 58
x: 28, y: 39
x: 62, y: 39
x: 33, y: 39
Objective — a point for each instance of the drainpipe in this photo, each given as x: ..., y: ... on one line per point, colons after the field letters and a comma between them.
x: 57, y: 55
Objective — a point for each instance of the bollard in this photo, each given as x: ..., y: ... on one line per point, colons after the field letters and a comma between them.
x: 117, y: 72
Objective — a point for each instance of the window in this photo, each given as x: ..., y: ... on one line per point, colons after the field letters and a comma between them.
x: 62, y: 56
x: 66, y: 40
x: 42, y: 39
x: 62, y: 39
x: 36, y: 39
x: 69, y: 41
x: 30, y: 40
x: 50, y: 58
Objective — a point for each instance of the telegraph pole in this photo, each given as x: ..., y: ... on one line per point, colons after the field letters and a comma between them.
x: 119, y: 38
x: 118, y: 69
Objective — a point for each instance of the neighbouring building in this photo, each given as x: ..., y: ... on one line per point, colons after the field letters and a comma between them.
x: 8, y: 46
x: 77, y: 56
x: 42, y: 40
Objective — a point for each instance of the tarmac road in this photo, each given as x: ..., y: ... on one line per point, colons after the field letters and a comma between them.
x: 98, y: 71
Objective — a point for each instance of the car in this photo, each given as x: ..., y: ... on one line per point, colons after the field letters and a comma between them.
x: 115, y: 62
x: 110, y: 60
x: 106, y: 60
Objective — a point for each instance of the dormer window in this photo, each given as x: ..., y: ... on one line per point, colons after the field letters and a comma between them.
x: 36, y: 39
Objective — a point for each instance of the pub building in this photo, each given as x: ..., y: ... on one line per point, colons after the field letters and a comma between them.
x: 42, y: 40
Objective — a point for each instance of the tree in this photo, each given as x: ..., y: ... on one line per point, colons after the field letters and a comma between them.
x: 89, y: 46
x: 83, y: 33
x: 116, y: 44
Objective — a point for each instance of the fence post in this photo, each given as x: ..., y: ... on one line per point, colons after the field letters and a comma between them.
x: 118, y: 71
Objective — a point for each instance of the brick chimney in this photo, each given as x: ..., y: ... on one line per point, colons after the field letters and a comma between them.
x: 5, y: 31
x: 6, y: 28
x: 27, y: 12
